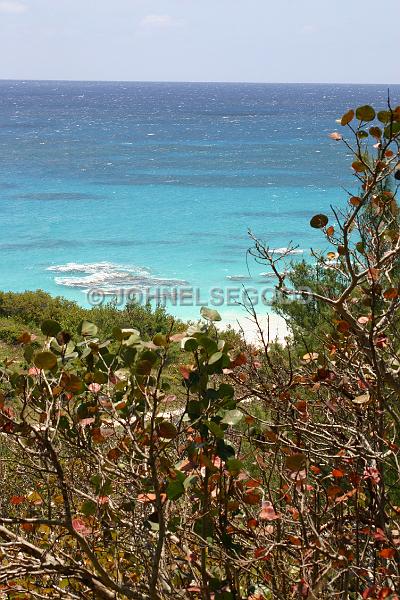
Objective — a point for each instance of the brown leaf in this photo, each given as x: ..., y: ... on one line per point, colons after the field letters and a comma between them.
x: 347, y: 117
x: 391, y: 294
x: 295, y: 462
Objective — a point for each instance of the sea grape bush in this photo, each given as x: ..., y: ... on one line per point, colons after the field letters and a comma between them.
x: 259, y: 476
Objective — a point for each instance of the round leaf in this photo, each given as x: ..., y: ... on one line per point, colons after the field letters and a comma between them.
x: 45, y: 360
x: 50, y: 328
x: 191, y: 344
x: 365, y: 113
x: 232, y: 417
x: 167, y: 430
x: 88, y: 329
x: 347, y: 117
x: 210, y: 314
x: 384, y: 116
x: 160, y: 340
x: 295, y: 462
x: 215, y: 358
x: 358, y: 166
x: 319, y: 221
x: 376, y: 132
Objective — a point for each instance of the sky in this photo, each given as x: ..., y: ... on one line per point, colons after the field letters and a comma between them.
x: 349, y: 41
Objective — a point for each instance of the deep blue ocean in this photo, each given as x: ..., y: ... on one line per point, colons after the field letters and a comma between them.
x: 112, y: 186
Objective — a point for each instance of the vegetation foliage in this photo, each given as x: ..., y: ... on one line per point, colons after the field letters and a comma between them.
x: 274, y: 476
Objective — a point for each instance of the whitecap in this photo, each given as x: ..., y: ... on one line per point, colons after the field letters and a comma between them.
x: 239, y: 277
x: 109, y: 277
x: 287, y: 251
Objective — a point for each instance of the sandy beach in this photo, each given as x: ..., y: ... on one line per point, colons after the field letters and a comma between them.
x: 271, y: 323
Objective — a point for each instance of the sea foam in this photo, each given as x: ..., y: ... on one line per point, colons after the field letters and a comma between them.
x: 109, y: 277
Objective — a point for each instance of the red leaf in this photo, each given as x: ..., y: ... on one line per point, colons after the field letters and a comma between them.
x: 294, y: 540
x: 387, y: 553
x: 150, y: 497
x: 80, y: 526
x: 260, y: 553
x: 185, y: 371
x: 374, y: 273
x: 334, y: 491
x: 385, y: 593
x: 380, y: 535
x: 346, y: 496
x: 337, y: 473
x: 252, y: 523
x: 267, y: 512
x: 146, y: 498
x: 15, y: 500
x: 241, y: 359
x: 391, y: 294
x: 34, y: 371
x: 372, y: 474
x: 252, y: 497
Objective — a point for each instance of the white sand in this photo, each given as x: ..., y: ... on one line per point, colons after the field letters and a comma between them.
x: 272, y: 323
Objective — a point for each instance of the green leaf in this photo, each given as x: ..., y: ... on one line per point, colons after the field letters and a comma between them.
x: 215, y: 358
x: 50, y: 328
x: 319, y: 221
x: 232, y: 417
x: 360, y: 247
x: 204, y: 527
x: 175, y: 489
x: 88, y: 329
x: 384, y: 116
x: 224, y: 451
x: 28, y: 353
x: 392, y: 130
x: 160, y: 340
x: 234, y: 466
x: 189, y: 481
x: 226, y: 391
x: 191, y: 345
x: 89, y: 508
x: 99, y: 377
x: 224, y: 596
x: 149, y: 356
x: 208, y: 344
x: 45, y: 360
x: 215, y: 429
x: 365, y: 113
x: 210, y: 314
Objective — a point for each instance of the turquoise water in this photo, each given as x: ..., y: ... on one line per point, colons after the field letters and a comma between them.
x: 121, y: 186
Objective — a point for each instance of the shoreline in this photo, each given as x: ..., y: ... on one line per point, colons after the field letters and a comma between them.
x: 271, y: 322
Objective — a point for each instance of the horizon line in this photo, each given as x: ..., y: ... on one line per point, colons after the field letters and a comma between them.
x: 62, y: 80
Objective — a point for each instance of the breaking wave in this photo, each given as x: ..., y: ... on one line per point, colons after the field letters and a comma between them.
x: 109, y: 278
x: 287, y: 251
